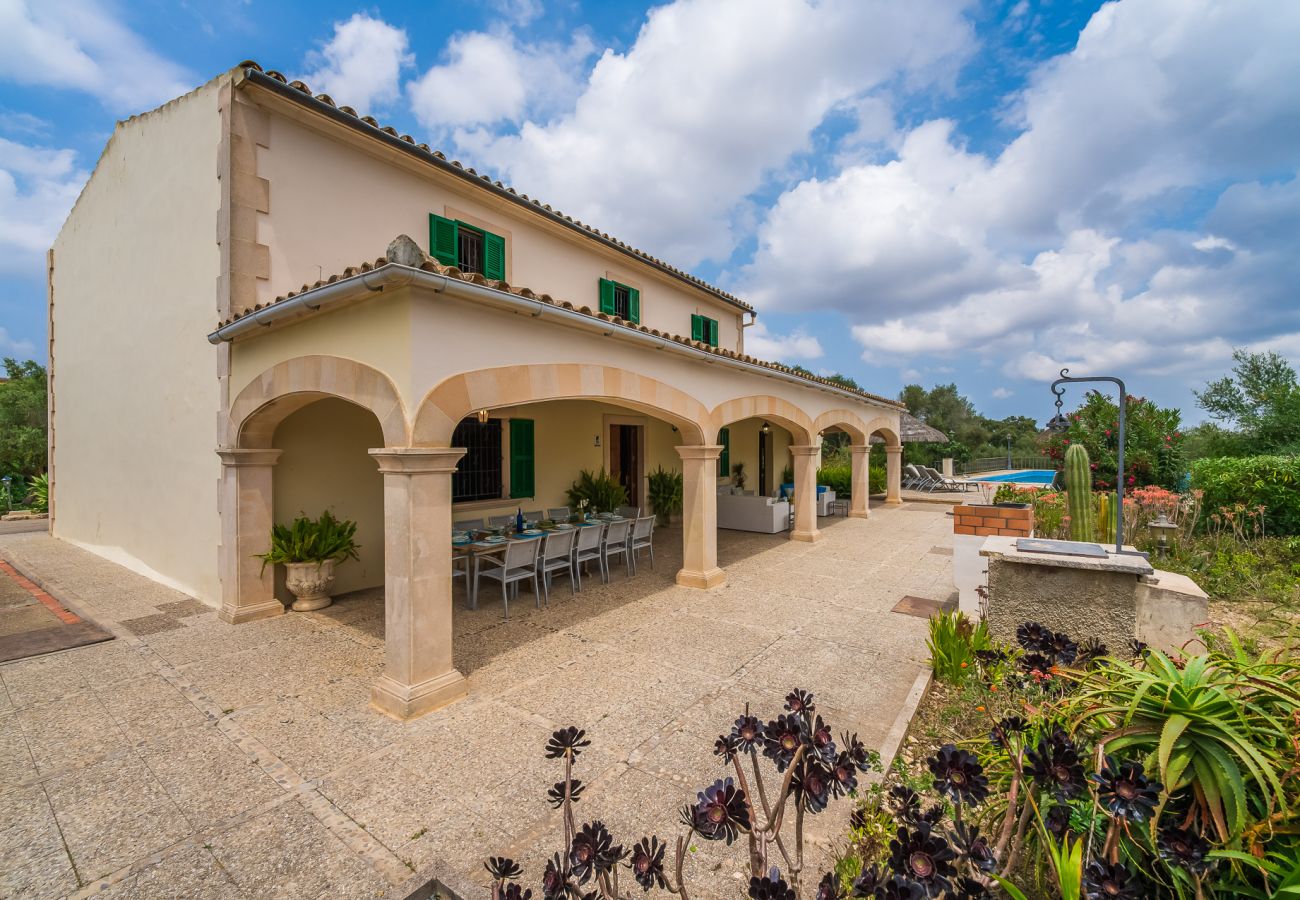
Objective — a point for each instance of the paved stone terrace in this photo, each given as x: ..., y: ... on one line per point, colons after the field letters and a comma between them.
x: 192, y: 758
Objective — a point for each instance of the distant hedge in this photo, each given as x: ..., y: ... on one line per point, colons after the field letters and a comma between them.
x: 840, y: 479
x: 1269, y: 481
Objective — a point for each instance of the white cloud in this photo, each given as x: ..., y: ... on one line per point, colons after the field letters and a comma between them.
x: 669, y: 137
x: 38, y: 186
x: 491, y: 78
x: 361, y: 65
x: 1043, y: 256
x: 796, y: 345
x: 520, y: 12
x: 15, y: 347
x: 1002, y: 393
x: 80, y: 45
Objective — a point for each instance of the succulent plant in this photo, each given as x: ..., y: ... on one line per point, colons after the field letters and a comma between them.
x: 719, y: 812
x: 647, y: 863
x: 782, y: 738
x: 566, y: 742
x: 958, y: 775
x: 1126, y: 792
x: 1105, y: 881
x: 770, y: 887
x: 1185, y: 849
x: 921, y: 855
x: 1078, y: 490
x: 1034, y: 637
x: 1055, y: 766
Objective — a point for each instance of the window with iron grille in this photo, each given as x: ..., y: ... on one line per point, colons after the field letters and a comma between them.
x: 478, y: 475
x: 470, y: 252
x: 622, y: 301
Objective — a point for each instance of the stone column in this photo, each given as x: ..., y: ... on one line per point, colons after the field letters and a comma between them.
x: 894, y: 475
x: 861, y: 480
x: 244, y: 500
x: 700, y: 517
x: 418, y: 673
x: 807, y: 457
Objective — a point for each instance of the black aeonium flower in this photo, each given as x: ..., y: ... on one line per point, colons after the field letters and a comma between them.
x: 1138, y: 648
x: 555, y: 794
x: 1055, y: 765
x: 555, y: 880
x: 1062, y: 648
x: 647, y: 863
x: 1036, y: 662
x: 799, y: 700
x: 975, y: 847
x: 1103, y: 881
x: 829, y: 888
x: 959, y: 775
x: 593, y: 851
x: 921, y: 855
x: 726, y: 746
x: 566, y: 742
x: 748, y: 732
x: 516, y: 891
x: 967, y: 888
x: 899, y: 887
x: 1124, y: 789
x: 991, y: 656
x: 1034, y: 637
x: 823, y: 740
x: 1091, y: 649
x: 870, y: 878
x: 904, y: 801
x: 844, y: 774
x: 865, y: 760
x: 782, y: 738
x: 812, y: 784
x: 502, y: 868
x: 719, y: 813
x: 1184, y: 848
x: 1005, y: 726
x: 770, y: 887
x: 1057, y: 820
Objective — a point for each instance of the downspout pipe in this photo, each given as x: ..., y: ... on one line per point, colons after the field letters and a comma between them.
x: 395, y: 275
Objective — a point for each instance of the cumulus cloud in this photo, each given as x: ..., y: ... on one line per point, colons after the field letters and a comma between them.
x: 667, y: 139
x: 1001, y: 393
x: 489, y: 78
x: 361, y: 65
x: 38, y: 186
x: 80, y: 45
x: 797, y: 345
x: 1053, y: 252
x: 520, y: 12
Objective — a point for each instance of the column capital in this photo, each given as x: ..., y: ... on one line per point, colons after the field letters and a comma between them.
x: 894, y: 451
x: 417, y: 460
x: 860, y: 448
x: 699, y: 451
x: 234, y: 457
x: 805, y: 449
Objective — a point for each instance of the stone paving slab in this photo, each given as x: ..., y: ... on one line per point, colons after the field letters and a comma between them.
x: 193, y: 758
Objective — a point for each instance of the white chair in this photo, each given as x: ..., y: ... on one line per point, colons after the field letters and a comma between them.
x: 532, y: 515
x: 629, y: 512
x: 468, y: 525
x: 558, y: 514
x: 518, y: 563
x: 587, y: 550
x: 497, y: 521
x: 615, y: 543
x: 460, y: 569
x: 557, y: 559
x: 643, y: 534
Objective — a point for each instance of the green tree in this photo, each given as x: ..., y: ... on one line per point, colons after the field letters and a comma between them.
x: 1260, y: 400
x: 23, y: 419
x: 1153, y: 442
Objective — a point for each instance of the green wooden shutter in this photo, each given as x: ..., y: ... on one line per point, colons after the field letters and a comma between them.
x: 634, y: 305
x: 697, y: 329
x: 713, y: 332
x: 444, y: 240
x: 494, y: 256
x: 724, y: 458
x: 607, y: 296
x: 522, y: 479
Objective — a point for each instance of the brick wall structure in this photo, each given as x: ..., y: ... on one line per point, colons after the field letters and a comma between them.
x: 986, y: 520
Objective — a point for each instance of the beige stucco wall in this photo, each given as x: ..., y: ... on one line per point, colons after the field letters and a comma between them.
x: 336, y: 203
x: 135, y: 383
x: 325, y: 464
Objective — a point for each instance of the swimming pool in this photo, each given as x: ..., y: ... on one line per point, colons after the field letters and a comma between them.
x: 1027, y: 476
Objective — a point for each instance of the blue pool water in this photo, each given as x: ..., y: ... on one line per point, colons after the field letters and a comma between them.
x: 1028, y: 476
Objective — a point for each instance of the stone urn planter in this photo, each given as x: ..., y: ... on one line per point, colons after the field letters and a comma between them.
x: 311, y: 583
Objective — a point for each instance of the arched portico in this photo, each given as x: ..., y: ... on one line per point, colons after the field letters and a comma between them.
x: 888, y: 430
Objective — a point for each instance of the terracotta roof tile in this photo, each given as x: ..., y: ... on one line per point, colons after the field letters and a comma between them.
x: 325, y: 99
x: 431, y: 265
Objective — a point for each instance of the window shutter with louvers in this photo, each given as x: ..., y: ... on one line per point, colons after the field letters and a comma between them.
x: 522, y: 480
x: 713, y: 332
x: 724, y: 458
x: 494, y: 256
x: 443, y: 240
x: 634, y: 305
x: 697, y: 327
x: 607, y: 296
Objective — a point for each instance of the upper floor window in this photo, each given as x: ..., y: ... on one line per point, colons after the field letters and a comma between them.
x: 704, y: 330
x: 618, y: 299
x: 467, y: 247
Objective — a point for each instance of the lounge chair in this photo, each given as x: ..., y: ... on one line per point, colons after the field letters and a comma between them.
x: 949, y: 484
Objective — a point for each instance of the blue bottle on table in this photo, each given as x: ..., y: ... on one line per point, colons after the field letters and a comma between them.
x: 519, y: 521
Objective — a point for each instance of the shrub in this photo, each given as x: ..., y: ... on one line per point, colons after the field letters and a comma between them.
x: 1269, y: 481
x: 953, y: 642
x: 664, y: 491
x: 602, y: 492
x: 839, y: 478
x: 307, y: 540
x: 38, y: 493
x: 1153, y: 441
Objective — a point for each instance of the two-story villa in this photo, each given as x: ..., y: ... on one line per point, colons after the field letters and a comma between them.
x: 236, y: 338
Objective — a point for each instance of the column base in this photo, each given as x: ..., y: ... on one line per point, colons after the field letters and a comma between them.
x: 859, y: 514
x: 402, y: 701
x: 701, y: 580
x: 896, y: 501
x: 810, y: 537
x: 237, y: 615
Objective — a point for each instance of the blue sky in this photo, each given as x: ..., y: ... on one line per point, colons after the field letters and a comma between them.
x: 909, y: 190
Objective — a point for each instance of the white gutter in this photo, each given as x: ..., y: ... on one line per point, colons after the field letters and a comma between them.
x: 395, y: 275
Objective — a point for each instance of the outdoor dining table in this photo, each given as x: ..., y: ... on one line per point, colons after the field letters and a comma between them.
x: 473, y: 550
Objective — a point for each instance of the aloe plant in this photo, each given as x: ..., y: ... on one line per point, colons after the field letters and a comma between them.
x: 312, y: 540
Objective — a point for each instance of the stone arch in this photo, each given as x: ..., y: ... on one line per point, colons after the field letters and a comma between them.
x: 784, y: 413
x: 290, y: 385
x: 460, y: 395
x: 888, y: 429
x: 845, y: 419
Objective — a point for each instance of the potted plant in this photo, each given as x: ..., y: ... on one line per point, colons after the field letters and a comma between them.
x: 738, y: 476
x: 309, y: 549
x: 665, y: 493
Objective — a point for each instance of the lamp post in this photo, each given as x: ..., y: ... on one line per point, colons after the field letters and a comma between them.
x: 1008, y: 451
x: 1060, y: 423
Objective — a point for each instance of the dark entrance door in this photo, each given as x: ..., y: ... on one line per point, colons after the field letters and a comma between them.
x: 764, y: 447
x: 625, y: 459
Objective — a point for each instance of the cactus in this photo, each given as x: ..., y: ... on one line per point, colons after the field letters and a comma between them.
x: 1107, y: 510
x: 1078, y: 489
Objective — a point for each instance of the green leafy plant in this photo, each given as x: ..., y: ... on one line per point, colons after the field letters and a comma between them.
x: 1272, y: 482
x: 38, y: 493
x: 312, y: 541
x: 602, y: 492
x: 952, y: 643
x: 664, y: 491
x: 738, y: 476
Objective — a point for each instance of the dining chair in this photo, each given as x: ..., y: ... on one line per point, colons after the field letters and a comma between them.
x: 517, y: 564
x: 615, y: 543
x: 643, y: 533
x: 495, y: 521
x: 587, y: 550
x: 629, y: 512
x: 468, y: 525
x: 558, y: 514
x: 532, y: 515
x: 557, y: 559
